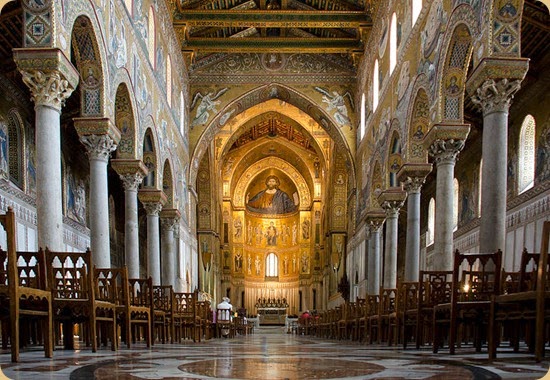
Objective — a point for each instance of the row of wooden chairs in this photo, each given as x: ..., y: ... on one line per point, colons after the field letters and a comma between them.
x: 473, y: 304
x: 45, y: 294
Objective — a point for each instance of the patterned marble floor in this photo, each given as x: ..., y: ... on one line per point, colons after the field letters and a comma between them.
x: 271, y: 354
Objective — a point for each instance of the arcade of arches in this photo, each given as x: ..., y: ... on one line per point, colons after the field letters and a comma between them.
x: 304, y: 162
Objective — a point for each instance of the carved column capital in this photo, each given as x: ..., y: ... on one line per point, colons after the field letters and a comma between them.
x: 131, y: 182
x: 48, y: 73
x: 413, y: 176
x: 445, y: 151
x: 168, y: 223
x: 412, y: 185
x: 98, y: 147
x: 47, y: 89
x: 374, y: 219
x: 496, y: 95
x: 152, y: 208
x: 391, y: 201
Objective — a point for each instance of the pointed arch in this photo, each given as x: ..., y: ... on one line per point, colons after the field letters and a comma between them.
x: 526, y: 154
x: 168, y: 184
x: 377, y: 185
x: 88, y: 61
x: 394, y: 158
x: 453, y: 67
x: 375, y: 86
x: 150, y: 159
x: 169, y: 80
x: 151, y: 36
x: 15, y: 148
x: 282, y: 98
x: 419, y: 121
x: 125, y: 122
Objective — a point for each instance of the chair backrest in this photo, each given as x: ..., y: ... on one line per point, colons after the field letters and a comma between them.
x: 407, y: 295
x: 69, y: 274
x: 476, y: 276
x: 528, y: 271
x: 185, y: 304
x: 140, y: 292
x: 223, y: 315
x: 387, y: 300
x: 434, y: 288
x: 109, y: 284
x: 8, y: 272
x: 163, y: 298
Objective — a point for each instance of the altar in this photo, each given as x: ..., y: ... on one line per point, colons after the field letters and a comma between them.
x: 272, y: 315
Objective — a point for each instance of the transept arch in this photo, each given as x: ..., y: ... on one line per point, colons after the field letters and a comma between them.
x: 241, y: 108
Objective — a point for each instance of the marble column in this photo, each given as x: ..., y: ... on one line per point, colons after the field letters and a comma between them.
x: 153, y: 201
x: 492, y: 85
x: 391, y: 202
x: 445, y: 154
x: 374, y: 219
x: 413, y: 175
x: 99, y: 148
x: 153, y: 241
x: 131, y: 173
x: 169, y: 222
x: 494, y: 98
x: 51, y: 79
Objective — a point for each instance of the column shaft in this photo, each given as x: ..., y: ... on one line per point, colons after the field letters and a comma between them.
x: 390, y: 254
x: 374, y: 262
x: 48, y: 178
x: 153, y: 247
x: 443, y: 236
x: 412, y: 253
x: 99, y: 214
x: 131, y: 233
x: 168, y: 253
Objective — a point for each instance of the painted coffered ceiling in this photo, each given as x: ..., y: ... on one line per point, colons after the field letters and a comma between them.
x: 208, y: 27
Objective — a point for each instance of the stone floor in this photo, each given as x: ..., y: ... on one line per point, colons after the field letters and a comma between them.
x: 271, y: 354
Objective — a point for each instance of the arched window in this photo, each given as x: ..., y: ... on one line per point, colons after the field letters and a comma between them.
x: 151, y: 36
x: 526, y: 156
x: 416, y: 9
x: 456, y: 189
x: 375, y: 85
x: 169, y: 80
x: 12, y: 149
x: 431, y: 222
x: 272, y: 265
x: 363, y: 121
x: 393, y: 42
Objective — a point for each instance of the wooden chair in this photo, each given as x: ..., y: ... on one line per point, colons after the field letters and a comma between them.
x: 135, y: 310
x: 224, y: 324
x: 163, y: 310
x: 25, y: 301
x: 528, y: 309
x: 371, y: 308
x: 74, y: 283
x: 186, y: 320
x: 434, y: 288
x: 379, y: 322
x: 406, y: 300
x: 358, y: 314
x: 476, y: 278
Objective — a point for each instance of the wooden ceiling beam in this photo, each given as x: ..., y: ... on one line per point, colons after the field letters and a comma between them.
x: 272, y: 19
x: 273, y: 45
